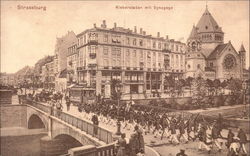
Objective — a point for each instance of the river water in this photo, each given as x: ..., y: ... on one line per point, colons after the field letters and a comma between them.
x: 28, y: 145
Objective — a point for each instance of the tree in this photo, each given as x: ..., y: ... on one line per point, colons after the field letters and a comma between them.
x: 179, y: 86
x: 216, y: 84
x: 169, y: 82
x: 235, y: 87
x: 114, y: 94
x: 224, y: 84
x: 210, y: 86
x: 199, y: 89
x: 188, y: 82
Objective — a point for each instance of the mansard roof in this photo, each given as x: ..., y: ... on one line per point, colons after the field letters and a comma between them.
x: 207, y: 23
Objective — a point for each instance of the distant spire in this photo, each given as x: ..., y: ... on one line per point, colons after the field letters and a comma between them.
x: 242, y: 49
x: 206, y: 5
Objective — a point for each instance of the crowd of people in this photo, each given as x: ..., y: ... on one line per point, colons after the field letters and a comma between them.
x: 175, y: 128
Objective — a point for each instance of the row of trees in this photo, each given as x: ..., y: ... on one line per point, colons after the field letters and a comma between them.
x: 205, y: 93
x: 211, y: 87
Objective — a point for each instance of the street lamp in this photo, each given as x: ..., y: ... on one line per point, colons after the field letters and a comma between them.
x: 118, y: 88
x: 244, y: 87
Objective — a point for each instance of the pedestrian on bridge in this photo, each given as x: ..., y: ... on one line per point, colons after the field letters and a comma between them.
x: 121, y: 145
x: 67, y: 102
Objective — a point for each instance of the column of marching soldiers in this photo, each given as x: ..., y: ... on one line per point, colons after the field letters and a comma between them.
x: 177, y: 129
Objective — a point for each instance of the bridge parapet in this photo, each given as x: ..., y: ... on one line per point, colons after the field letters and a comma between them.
x: 90, y: 150
x: 89, y: 128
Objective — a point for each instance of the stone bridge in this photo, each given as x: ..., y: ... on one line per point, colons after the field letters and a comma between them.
x: 64, y: 131
x: 67, y: 134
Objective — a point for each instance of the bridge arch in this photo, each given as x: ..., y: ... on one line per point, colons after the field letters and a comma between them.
x: 31, y: 112
x: 66, y: 142
x: 35, y: 122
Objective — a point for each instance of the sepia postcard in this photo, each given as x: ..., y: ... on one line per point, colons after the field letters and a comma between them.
x: 125, y: 78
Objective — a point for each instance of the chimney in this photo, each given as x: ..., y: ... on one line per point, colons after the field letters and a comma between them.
x: 114, y: 25
x: 166, y: 37
x: 94, y: 25
x: 104, y: 23
x: 135, y: 30
x: 144, y: 32
x: 158, y: 34
x: 140, y: 30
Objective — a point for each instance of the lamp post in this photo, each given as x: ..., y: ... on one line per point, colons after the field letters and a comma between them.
x: 118, y: 93
x: 244, y: 87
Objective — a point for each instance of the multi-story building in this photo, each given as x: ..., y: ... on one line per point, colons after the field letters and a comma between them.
x: 139, y: 60
x: 7, y: 79
x: 72, y: 59
x: 48, y: 74
x: 61, y: 49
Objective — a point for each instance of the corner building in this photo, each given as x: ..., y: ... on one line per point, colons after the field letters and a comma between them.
x: 139, y: 60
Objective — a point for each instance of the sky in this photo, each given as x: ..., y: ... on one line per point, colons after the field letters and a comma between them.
x: 29, y: 35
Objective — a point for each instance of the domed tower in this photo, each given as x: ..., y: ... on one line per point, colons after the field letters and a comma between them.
x: 209, y: 33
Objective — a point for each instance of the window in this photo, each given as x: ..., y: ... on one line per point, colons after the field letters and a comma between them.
x: 134, y: 88
x: 141, y: 43
x: 84, y: 39
x: 105, y: 39
x: 159, y: 45
x: 211, y: 64
x: 165, y: 45
x: 141, y: 54
x: 154, y: 44
x: 177, y: 48
x: 116, y: 39
x: 134, y: 53
x: 188, y: 66
x: 105, y: 51
x: 134, y: 42
x: 128, y: 41
x: 206, y: 27
x: 127, y: 52
x: 93, y: 36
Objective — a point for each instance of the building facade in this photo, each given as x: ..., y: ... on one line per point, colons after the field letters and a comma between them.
x: 72, y: 59
x: 61, y: 49
x: 208, y: 56
x: 139, y: 60
x: 48, y: 75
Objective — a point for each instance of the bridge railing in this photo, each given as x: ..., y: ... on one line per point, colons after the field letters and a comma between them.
x: 90, y: 150
x: 91, y: 129
x: 40, y: 106
x: 85, y: 126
